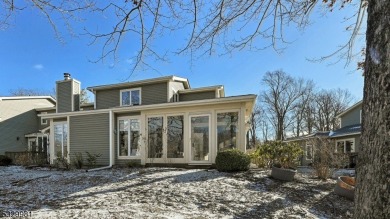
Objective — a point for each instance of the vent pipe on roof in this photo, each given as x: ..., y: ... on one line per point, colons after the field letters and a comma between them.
x: 66, y: 76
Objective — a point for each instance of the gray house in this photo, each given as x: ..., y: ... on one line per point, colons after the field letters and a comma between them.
x: 20, y: 127
x: 159, y: 120
x: 346, y: 139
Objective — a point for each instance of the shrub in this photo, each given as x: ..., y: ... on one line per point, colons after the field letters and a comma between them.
x: 78, y: 161
x: 276, y: 152
x: 232, y: 160
x: 92, y: 158
x: 5, y: 161
x: 61, y: 161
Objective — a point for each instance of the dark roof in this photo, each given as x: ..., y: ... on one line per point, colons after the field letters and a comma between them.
x: 347, y: 130
x: 308, y: 136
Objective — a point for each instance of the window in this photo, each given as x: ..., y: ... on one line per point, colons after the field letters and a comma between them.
x: 227, y: 129
x: 175, y: 137
x: 129, y: 137
x: 155, y: 137
x: 43, y: 121
x: 131, y: 97
x: 175, y: 96
x: 345, y: 146
x: 309, y: 152
x: 61, y: 139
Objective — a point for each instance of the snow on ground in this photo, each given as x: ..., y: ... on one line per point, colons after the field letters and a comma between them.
x: 167, y: 193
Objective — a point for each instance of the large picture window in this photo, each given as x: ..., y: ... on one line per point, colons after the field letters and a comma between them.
x: 175, y: 136
x: 227, y: 130
x: 131, y: 97
x: 345, y: 146
x: 155, y: 137
x: 61, y: 139
x: 129, y: 137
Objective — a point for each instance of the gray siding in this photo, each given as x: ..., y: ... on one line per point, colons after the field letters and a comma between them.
x: 64, y: 96
x: 351, y: 118
x: 197, y: 96
x: 107, y: 98
x: 41, y: 126
x: 18, y: 118
x: 150, y: 94
x: 90, y: 133
x: 154, y: 93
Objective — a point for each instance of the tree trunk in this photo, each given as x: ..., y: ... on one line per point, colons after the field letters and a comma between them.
x: 373, y: 170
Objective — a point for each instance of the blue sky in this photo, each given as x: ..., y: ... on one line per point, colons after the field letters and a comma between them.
x: 31, y: 57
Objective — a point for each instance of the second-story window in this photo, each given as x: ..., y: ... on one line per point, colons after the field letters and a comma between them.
x: 131, y: 97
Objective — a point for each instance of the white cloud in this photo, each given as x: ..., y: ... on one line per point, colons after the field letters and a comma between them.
x: 38, y: 67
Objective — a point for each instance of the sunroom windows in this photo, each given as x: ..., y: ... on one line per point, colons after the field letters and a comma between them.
x: 131, y: 97
x: 227, y: 130
x: 166, y: 136
x: 129, y: 137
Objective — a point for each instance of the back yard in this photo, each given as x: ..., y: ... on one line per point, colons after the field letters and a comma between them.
x: 166, y: 193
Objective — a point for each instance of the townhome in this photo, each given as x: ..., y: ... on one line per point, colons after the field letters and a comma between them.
x: 20, y: 127
x: 160, y: 120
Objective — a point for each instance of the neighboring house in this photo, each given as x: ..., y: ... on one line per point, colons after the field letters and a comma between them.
x: 346, y: 139
x: 20, y: 127
x: 160, y: 120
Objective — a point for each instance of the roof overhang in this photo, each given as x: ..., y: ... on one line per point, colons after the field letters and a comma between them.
x: 249, y: 101
x: 28, y: 97
x: 141, y: 82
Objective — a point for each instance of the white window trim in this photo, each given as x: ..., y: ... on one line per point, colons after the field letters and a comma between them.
x: 129, y: 90
x: 345, y: 145
x: 164, y: 137
x: 238, y: 126
x: 42, y: 119
x: 62, y: 138
x: 128, y: 118
x: 190, y: 161
x: 311, y: 151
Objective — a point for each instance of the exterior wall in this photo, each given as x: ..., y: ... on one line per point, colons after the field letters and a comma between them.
x: 42, y: 126
x: 18, y: 118
x: 351, y: 118
x: 64, y: 96
x: 87, y: 107
x: 68, y: 96
x: 90, y: 133
x: 150, y: 94
x: 174, y: 86
x: 197, y: 96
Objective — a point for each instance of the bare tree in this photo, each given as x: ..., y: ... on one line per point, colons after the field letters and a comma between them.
x: 254, y: 121
x: 328, y: 104
x: 211, y: 24
x: 302, y: 107
x: 281, y: 98
x: 30, y: 92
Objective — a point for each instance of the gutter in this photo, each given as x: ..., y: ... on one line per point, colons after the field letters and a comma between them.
x: 111, y: 116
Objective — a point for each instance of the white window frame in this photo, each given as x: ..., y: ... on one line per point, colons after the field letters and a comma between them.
x: 311, y: 148
x: 128, y: 118
x: 345, y: 145
x: 130, y: 90
x: 62, y: 138
x: 43, y: 121
x: 238, y: 126
x: 190, y: 138
x: 175, y: 95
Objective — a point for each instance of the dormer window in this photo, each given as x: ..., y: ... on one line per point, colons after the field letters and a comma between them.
x: 131, y: 97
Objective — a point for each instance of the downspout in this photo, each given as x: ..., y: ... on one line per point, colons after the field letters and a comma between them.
x: 110, y: 145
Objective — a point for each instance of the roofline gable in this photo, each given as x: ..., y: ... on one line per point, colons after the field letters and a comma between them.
x: 350, y: 109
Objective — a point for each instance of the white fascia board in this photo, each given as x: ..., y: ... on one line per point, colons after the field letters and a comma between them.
x: 236, y: 99
x: 28, y: 97
x: 349, y: 134
x: 201, y: 89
